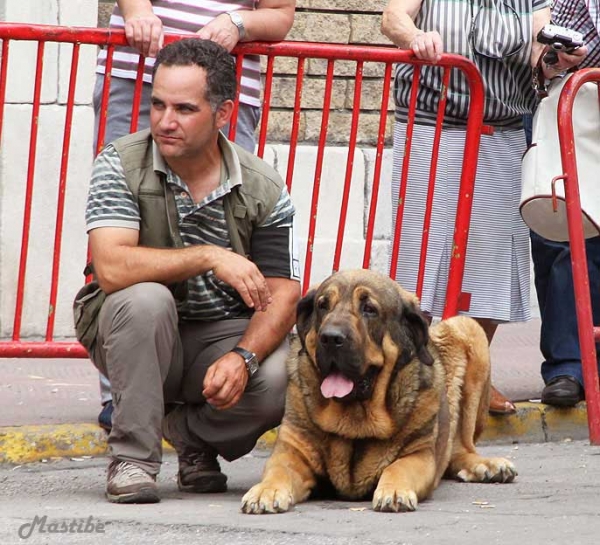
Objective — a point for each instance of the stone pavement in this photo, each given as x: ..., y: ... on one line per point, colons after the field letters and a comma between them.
x: 49, y: 407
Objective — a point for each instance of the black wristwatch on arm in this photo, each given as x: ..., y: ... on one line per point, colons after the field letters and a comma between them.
x: 250, y: 359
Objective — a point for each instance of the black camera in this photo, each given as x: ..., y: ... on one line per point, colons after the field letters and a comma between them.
x: 559, y: 39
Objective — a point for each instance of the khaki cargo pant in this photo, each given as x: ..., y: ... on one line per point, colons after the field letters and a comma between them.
x: 151, y: 359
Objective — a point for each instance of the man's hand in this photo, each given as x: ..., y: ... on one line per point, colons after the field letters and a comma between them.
x: 242, y: 275
x: 222, y: 31
x: 144, y: 32
x: 225, y: 381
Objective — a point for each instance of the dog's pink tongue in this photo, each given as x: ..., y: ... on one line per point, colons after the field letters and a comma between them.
x: 336, y: 385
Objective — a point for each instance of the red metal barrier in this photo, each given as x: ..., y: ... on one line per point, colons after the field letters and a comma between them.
x: 588, y: 334
x: 50, y: 346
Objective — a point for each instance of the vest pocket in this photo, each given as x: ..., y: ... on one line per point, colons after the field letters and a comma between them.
x: 86, y: 309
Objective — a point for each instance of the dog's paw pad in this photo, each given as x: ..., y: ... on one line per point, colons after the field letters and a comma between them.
x: 260, y: 500
x: 489, y: 470
x: 391, y: 500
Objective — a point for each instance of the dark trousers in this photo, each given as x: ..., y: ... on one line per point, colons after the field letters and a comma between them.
x: 559, y: 339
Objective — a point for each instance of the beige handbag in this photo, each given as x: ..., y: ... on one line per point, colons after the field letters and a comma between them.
x: 542, y: 162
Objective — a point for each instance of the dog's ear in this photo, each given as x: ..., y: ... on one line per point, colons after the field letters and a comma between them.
x: 419, y: 331
x: 304, y: 312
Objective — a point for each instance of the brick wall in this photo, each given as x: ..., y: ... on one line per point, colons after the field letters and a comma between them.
x: 330, y: 21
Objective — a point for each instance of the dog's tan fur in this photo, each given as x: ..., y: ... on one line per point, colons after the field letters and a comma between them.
x: 425, y: 397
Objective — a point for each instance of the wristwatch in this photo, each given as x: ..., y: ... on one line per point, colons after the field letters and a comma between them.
x: 250, y: 359
x: 237, y: 20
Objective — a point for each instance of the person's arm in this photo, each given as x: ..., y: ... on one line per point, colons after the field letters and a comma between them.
x: 119, y: 262
x: 144, y: 30
x: 270, y: 21
x: 398, y: 25
x: 226, y: 378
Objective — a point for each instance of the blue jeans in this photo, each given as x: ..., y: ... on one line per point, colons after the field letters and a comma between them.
x: 559, y: 339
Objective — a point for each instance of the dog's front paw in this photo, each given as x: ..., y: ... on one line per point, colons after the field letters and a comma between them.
x: 389, y: 499
x: 262, y: 498
x: 488, y: 470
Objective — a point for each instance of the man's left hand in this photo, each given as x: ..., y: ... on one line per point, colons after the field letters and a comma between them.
x: 225, y: 381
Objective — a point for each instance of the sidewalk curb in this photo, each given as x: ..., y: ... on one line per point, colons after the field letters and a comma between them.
x: 532, y: 423
x: 538, y: 423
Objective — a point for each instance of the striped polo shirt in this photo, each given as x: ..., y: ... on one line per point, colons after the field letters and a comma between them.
x: 184, y: 17
x: 582, y: 16
x: 497, y: 36
x: 274, y: 248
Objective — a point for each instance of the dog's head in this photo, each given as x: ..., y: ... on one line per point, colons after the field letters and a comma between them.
x: 354, y: 324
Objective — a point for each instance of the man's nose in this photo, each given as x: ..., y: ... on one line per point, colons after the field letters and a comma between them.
x: 168, y: 119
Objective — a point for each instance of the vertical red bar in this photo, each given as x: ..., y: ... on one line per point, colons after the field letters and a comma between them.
x: 314, y: 208
x: 404, y: 176
x: 266, y: 108
x: 385, y: 97
x: 349, y: 164
x: 431, y: 184
x: 234, y: 116
x: 137, y: 95
x: 110, y: 50
x: 295, y: 123
x: 35, y: 114
x: 3, y: 75
x: 467, y: 185
x: 60, y: 207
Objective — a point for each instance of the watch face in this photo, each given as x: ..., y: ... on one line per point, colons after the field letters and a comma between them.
x: 252, y: 365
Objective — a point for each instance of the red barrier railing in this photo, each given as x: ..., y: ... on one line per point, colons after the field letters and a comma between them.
x: 588, y: 333
x: 384, y: 57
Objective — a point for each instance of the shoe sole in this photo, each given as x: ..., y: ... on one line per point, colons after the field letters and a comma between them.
x: 561, y: 401
x: 205, y: 484
x: 145, y: 495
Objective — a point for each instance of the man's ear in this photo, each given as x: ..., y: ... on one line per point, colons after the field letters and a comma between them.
x: 304, y: 314
x: 223, y: 113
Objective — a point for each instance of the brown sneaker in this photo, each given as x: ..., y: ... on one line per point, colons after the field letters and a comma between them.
x: 128, y: 483
x: 199, y: 470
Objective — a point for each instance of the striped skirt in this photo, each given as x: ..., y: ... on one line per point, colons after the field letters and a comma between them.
x: 496, y: 280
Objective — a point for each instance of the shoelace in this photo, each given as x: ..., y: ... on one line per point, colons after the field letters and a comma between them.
x: 127, y: 470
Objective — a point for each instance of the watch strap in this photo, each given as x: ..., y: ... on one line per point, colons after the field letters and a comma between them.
x: 246, y: 354
x: 250, y: 359
x: 237, y: 20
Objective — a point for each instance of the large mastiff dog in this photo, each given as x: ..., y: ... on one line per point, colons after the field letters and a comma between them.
x: 378, y: 403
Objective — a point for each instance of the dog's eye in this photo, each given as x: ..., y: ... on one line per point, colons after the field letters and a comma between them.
x: 323, y: 303
x: 369, y: 310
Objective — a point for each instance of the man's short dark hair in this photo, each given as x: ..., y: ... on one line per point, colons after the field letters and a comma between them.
x: 214, y: 58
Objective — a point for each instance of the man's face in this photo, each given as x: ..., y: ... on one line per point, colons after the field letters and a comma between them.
x: 182, y: 122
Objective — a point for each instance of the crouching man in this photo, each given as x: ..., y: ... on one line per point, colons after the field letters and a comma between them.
x: 196, y: 282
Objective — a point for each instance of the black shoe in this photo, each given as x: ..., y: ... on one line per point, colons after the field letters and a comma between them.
x: 199, y: 470
x: 563, y: 391
x: 105, y: 416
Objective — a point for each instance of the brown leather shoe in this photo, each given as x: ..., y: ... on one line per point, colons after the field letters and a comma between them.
x: 499, y: 404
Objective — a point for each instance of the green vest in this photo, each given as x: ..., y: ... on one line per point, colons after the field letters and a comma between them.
x: 246, y: 206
